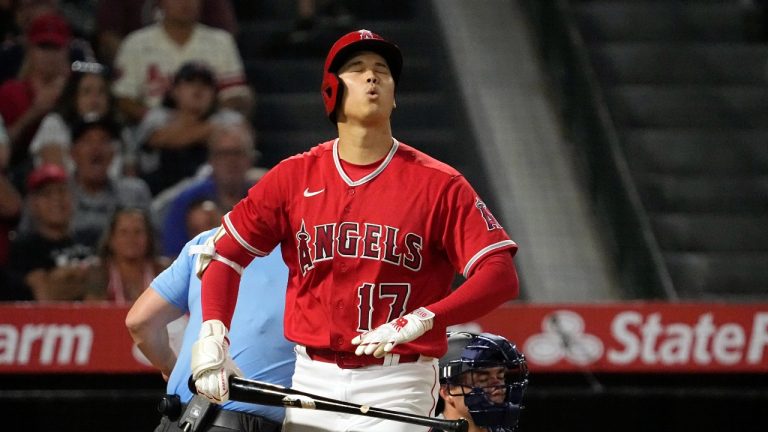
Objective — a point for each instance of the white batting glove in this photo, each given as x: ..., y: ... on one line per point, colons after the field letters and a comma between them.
x: 381, y: 340
x: 211, y: 364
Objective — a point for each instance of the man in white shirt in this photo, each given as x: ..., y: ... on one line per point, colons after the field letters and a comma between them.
x: 148, y: 58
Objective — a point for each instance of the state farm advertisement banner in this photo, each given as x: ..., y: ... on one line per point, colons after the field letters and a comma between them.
x: 66, y: 337
x: 617, y: 337
x: 636, y: 337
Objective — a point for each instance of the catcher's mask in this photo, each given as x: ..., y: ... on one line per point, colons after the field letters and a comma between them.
x: 490, y: 373
x: 341, y: 51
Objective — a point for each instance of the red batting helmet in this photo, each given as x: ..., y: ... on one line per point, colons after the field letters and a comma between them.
x: 342, y: 50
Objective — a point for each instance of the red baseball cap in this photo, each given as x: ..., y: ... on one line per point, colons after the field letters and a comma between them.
x: 45, y: 174
x: 49, y: 29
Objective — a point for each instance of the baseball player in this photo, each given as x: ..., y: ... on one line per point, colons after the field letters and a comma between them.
x: 483, y: 378
x: 372, y: 231
x: 258, y: 345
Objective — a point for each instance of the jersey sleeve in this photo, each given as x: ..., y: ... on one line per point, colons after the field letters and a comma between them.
x: 173, y: 283
x: 258, y: 221
x: 470, y: 232
x: 231, y: 76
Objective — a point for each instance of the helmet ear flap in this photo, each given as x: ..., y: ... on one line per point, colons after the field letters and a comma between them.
x: 332, y: 91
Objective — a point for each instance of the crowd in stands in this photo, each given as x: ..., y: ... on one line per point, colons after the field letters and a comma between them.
x: 124, y: 131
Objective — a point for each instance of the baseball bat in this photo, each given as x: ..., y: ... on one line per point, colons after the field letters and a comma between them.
x: 259, y: 392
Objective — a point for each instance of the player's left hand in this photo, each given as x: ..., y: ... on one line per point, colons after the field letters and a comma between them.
x: 381, y: 340
x: 211, y: 364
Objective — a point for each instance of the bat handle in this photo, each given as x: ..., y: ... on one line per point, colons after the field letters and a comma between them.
x: 462, y: 425
x: 191, y: 385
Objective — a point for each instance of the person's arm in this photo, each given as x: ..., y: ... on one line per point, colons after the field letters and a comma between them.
x: 493, y: 282
x: 44, y: 100
x: 60, y: 283
x: 179, y: 134
x: 147, y: 322
x: 133, y: 110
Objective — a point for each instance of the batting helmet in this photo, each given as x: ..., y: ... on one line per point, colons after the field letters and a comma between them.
x: 349, y: 44
x: 474, y: 363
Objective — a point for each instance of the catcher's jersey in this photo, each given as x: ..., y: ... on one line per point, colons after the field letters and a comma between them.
x: 362, y: 253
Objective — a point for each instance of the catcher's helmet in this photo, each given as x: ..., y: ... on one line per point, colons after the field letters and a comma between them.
x: 341, y: 51
x: 474, y: 364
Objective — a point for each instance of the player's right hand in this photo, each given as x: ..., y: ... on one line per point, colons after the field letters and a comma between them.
x: 211, y: 364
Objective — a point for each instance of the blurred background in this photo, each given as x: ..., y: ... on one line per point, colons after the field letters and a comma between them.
x: 622, y: 144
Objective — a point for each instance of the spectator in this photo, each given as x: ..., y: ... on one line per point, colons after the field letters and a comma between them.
x: 48, y: 262
x: 173, y: 137
x: 97, y: 196
x: 117, y: 18
x: 201, y: 215
x: 23, y: 14
x: 128, y: 259
x: 231, y: 155
x: 26, y: 100
x: 148, y: 58
x: 85, y: 94
x: 10, y: 199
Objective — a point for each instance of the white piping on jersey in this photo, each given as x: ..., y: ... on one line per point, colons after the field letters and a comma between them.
x: 483, y: 252
x: 235, y: 266
x: 370, y: 176
x: 231, y: 229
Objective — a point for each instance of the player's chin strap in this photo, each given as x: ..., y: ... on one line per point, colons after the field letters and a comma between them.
x: 206, y: 253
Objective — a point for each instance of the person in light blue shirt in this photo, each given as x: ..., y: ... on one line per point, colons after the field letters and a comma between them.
x: 258, y: 345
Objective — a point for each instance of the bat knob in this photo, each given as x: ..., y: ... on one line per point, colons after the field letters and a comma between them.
x: 191, y: 385
x: 462, y: 425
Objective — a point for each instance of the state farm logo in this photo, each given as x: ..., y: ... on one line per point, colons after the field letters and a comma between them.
x: 45, y: 344
x: 563, y: 338
x: 652, y: 339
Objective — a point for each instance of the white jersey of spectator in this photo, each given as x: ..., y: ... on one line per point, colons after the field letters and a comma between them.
x: 148, y: 59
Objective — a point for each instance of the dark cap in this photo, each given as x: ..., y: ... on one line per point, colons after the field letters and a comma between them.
x: 195, y: 71
x: 50, y: 29
x: 88, y: 122
x: 45, y: 174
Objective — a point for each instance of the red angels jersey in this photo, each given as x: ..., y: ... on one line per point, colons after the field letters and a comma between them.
x: 362, y: 253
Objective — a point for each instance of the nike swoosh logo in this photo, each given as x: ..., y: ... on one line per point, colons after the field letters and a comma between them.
x: 308, y: 194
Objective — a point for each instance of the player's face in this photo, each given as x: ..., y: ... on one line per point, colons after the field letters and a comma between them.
x: 194, y: 96
x: 491, y: 380
x: 229, y: 158
x: 130, y: 238
x: 182, y: 11
x: 92, y: 95
x: 369, y: 94
x: 52, y: 205
x: 49, y: 60
x: 92, y: 154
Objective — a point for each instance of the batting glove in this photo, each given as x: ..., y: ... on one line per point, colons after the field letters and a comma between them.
x: 211, y: 364
x: 381, y: 340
